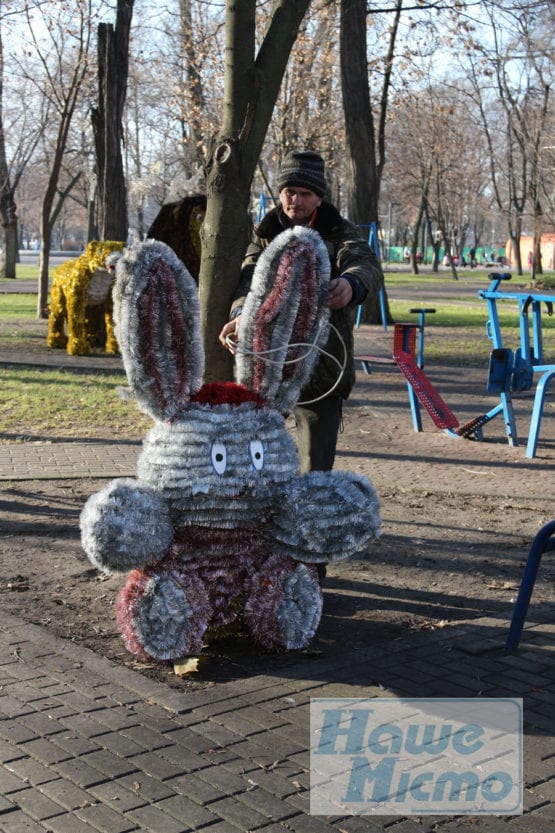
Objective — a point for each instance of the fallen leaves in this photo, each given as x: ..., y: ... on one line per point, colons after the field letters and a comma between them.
x: 187, y: 666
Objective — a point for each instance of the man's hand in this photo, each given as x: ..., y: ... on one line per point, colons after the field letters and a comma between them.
x: 228, y: 335
x: 340, y: 293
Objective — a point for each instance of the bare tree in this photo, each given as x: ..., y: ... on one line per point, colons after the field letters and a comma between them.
x: 252, y: 82
x: 193, y: 92
x: 365, y: 144
x: 511, y: 83
x: 307, y: 115
x: 436, y: 167
x: 23, y: 130
x: 59, y: 38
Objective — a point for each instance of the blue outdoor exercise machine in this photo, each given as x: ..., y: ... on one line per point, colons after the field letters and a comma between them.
x: 508, y: 372
x: 515, y: 371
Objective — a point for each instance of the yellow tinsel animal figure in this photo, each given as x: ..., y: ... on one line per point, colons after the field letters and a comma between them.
x: 81, y: 300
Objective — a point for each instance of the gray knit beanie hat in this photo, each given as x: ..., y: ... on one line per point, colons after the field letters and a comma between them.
x: 303, y: 169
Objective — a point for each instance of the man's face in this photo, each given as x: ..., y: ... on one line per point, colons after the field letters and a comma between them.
x: 299, y: 203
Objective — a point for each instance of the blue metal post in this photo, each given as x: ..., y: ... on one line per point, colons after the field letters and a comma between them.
x: 374, y: 243
x: 537, y: 331
x: 540, y: 544
x: 493, y: 330
x: 537, y: 412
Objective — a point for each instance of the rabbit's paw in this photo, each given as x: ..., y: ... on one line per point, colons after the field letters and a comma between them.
x: 284, y: 606
x: 327, y: 516
x: 125, y: 525
x: 163, y: 614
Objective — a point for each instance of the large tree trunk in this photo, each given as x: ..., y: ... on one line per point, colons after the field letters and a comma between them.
x: 225, y: 236
x: 363, y: 168
x: 107, y: 119
x: 250, y: 91
x: 362, y: 178
x: 47, y: 224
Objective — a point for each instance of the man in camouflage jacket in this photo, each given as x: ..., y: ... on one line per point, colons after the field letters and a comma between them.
x: 355, y: 272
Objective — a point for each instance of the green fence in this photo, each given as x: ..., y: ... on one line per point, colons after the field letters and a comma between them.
x: 485, y: 255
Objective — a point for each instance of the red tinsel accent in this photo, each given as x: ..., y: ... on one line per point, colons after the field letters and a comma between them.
x: 218, y: 541
x: 269, y: 310
x: 299, y: 251
x: 126, y: 602
x: 161, y: 290
x: 179, y: 336
x: 225, y: 567
x: 149, y: 320
x: 308, y: 307
x: 226, y: 393
x: 265, y: 598
x: 130, y: 595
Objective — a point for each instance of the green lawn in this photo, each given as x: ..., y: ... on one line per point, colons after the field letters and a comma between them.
x: 26, y: 271
x: 479, y: 277
x: 22, y: 306
x: 65, y: 403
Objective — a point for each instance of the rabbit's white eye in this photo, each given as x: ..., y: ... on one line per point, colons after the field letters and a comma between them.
x: 219, y: 457
x: 257, y: 454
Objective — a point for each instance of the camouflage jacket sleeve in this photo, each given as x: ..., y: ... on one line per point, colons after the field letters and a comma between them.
x: 352, y: 257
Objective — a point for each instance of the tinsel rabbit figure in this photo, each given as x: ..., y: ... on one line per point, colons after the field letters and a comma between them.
x: 219, y: 522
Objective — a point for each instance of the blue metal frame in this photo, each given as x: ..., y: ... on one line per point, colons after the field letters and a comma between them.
x: 528, y: 358
x: 537, y: 412
x: 413, y: 399
x: 262, y: 208
x: 542, y: 543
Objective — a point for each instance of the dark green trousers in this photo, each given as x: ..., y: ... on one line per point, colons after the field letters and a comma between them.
x: 317, y: 429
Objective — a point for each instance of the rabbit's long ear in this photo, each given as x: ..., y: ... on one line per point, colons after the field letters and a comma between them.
x: 156, y: 310
x: 283, y: 313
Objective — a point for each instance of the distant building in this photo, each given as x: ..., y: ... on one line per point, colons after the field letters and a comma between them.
x: 527, y: 246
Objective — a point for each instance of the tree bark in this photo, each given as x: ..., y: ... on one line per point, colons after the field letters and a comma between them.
x: 194, y: 94
x: 8, y: 216
x: 107, y: 120
x: 47, y: 212
x: 362, y: 178
x: 537, y: 265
